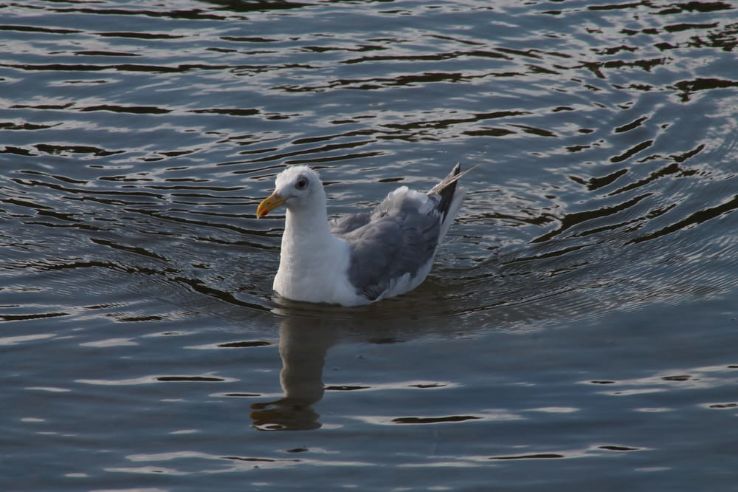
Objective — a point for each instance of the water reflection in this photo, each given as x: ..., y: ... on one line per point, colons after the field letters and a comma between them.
x: 307, y: 331
x: 303, y: 344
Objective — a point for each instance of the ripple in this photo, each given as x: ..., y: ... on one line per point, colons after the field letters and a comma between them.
x: 722, y: 406
x: 632, y: 151
x: 189, y: 379
x: 21, y: 339
x: 231, y: 345
x: 111, y: 342
x: 126, y: 109
x: 156, y: 379
x: 434, y: 420
x: 488, y: 416
x: 695, y: 218
x: 535, y: 456
x: 136, y: 275
x: 49, y: 389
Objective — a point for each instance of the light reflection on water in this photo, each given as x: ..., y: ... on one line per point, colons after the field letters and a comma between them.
x: 576, y: 329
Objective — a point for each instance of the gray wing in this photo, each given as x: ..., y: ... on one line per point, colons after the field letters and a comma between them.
x: 400, y: 236
x: 349, y: 222
x: 390, y: 244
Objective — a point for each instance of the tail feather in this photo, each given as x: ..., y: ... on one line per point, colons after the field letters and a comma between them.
x: 446, y: 189
x: 451, y: 196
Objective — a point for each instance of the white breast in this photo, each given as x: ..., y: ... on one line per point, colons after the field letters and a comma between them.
x: 316, y: 271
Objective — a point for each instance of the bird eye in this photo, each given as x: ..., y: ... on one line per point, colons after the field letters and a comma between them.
x: 301, y: 184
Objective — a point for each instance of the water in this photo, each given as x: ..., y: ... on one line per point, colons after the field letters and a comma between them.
x: 578, y: 331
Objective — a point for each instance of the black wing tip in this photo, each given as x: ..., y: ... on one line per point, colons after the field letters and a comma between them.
x: 448, y: 184
x: 447, y: 189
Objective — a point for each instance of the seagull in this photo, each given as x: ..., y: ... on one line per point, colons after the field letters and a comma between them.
x: 363, y: 257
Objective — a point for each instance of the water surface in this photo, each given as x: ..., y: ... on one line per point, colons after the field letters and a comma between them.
x: 578, y: 331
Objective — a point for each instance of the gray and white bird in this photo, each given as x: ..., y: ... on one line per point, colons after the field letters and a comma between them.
x: 358, y: 258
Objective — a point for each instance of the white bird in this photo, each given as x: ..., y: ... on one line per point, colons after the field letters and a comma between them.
x: 358, y: 258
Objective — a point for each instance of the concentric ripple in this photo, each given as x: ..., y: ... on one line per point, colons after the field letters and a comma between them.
x: 136, y: 139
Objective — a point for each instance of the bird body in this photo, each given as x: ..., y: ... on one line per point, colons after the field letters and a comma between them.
x: 359, y: 258
x: 312, y: 266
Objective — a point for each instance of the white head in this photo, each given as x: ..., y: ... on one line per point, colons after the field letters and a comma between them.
x: 297, y: 188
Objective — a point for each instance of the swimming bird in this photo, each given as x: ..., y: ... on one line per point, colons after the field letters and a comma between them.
x: 363, y: 257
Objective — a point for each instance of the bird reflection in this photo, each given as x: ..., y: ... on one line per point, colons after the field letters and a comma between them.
x: 303, y: 344
x: 307, y: 331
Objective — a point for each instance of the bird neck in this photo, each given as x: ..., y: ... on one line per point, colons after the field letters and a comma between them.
x: 308, y: 224
x: 311, y: 259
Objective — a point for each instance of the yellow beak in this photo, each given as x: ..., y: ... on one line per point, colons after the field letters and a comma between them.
x: 268, y: 204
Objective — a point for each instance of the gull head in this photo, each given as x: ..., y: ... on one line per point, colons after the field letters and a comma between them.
x: 297, y: 188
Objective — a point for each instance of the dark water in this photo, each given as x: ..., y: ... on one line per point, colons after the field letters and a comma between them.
x: 578, y: 332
